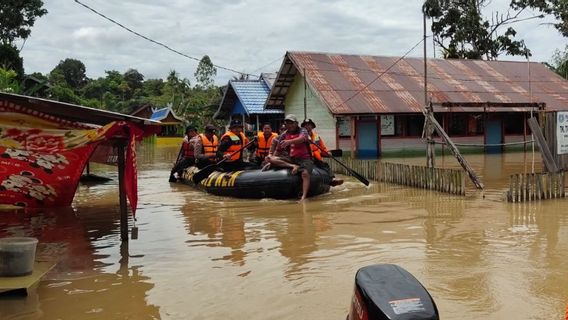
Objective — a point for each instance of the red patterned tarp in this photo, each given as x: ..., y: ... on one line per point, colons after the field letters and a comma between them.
x: 43, y: 157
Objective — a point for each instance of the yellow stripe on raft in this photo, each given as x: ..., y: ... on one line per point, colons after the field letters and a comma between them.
x: 234, y: 178
x: 221, y: 179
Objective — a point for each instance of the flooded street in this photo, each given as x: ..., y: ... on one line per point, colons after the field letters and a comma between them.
x: 205, y: 257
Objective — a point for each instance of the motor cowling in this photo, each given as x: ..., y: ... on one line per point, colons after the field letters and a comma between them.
x: 389, y: 292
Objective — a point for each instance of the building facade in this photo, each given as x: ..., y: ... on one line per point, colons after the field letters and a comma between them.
x: 371, y: 105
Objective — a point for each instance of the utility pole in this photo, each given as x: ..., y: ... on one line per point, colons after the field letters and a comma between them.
x: 428, y: 127
x: 305, y: 99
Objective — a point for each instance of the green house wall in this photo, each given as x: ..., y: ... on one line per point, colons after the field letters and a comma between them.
x: 319, y: 113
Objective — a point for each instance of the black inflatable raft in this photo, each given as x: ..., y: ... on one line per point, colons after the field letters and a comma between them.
x: 257, y: 184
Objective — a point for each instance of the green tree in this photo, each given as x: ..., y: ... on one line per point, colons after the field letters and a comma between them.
x: 175, y: 92
x: 17, y: 18
x: 153, y: 87
x: 35, y: 84
x: 134, y: 79
x: 73, y: 71
x: 462, y: 32
x: 10, y: 59
x: 64, y: 94
x: 202, y: 105
x: 9, y: 81
x: 556, y: 8
x: 560, y: 62
x: 205, y: 73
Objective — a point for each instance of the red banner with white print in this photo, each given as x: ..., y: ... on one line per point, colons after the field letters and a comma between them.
x: 41, y: 162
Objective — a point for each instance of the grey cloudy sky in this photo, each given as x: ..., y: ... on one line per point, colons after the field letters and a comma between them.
x: 248, y: 35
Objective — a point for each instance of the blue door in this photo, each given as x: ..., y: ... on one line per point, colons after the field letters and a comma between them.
x: 367, y: 140
x: 494, y: 135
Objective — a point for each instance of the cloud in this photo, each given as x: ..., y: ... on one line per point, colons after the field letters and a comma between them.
x: 243, y: 35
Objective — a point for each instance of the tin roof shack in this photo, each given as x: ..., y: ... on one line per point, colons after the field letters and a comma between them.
x: 373, y: 105
x: 245, y: 100
x: 45, y: 145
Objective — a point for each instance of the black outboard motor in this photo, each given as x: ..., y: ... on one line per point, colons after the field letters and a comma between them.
x: 388, y: 292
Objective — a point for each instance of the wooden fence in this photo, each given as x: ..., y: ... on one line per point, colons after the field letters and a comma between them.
x: 535, y: 186
x: 444, y: 180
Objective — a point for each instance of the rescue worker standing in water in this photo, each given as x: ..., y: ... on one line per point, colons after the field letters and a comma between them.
x: 319, y: 153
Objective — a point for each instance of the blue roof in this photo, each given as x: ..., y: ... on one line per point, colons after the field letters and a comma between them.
x: 252, y: 95
x: 160, y: 114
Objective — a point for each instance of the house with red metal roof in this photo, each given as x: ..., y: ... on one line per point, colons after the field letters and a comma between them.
x: 372, y: 105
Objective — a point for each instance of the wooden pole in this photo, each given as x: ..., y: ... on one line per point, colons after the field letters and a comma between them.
x: 305, y: 98
x: 122, y: 192
x: 352, y: 119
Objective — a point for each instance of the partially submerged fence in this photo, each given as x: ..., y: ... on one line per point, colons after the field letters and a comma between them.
x: 444, y: 180
x: 535, y: 186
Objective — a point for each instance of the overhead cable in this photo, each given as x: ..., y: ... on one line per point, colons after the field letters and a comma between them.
x: 157, y: 42
x: 380, y: 75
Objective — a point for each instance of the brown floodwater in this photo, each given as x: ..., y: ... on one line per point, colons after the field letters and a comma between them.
x: 205, y: 257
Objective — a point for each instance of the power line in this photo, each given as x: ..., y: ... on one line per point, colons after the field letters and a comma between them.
x: 380, y: 75
x: 157, y: 42
x: 266, y: 65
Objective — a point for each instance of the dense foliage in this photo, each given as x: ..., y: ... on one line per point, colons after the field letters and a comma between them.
x: 462, y: 30
x: 17, y: 18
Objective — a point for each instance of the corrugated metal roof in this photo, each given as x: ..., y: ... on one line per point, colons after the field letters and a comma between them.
x: 353, y: 84
x: 251, y: 93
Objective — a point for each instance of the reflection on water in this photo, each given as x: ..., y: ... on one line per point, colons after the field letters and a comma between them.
x: 206, y: 257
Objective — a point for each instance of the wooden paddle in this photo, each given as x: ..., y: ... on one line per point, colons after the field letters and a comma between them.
x: 180, y: 154
x: 353, y: 172
x: 206, y: 171
x: 178, y: 159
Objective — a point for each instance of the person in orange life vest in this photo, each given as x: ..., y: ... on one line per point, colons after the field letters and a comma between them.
x: 299, y: 159
x: 318, y: 155
x: 231, y: 141
x: 206, y: 147
x: 264, y: 142
x: 186, y: 152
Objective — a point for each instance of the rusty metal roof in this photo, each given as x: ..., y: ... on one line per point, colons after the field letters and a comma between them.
x: 356, y: 84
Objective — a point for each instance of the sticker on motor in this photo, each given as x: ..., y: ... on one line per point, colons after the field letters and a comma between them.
x: 407, y: 305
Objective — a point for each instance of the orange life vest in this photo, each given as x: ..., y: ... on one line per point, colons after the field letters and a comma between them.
x: 264, y: 144
x: 316, y: 152
x: 236, y: 144
x: 209, y: 147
